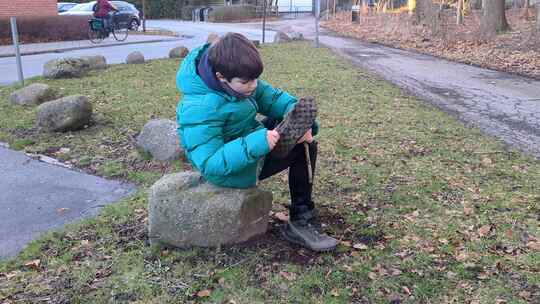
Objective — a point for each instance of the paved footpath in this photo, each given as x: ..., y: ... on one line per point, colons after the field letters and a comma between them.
x: 501, y: 105
x: 36, y: 197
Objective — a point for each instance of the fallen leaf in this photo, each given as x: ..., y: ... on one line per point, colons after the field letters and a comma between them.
x: 484, y: 230
x: 482, y: 276
x: 487, y: 161
x: 287, y: 276
x: 443, y: 241
x: 462, y: 256
x: 450, y: 274
x: 347, y: 268
x: 282, y: 216
x: 467, y: 210
x: 346, y: 243
x: 360, y: 246
x: 534, y: 245
x: 85, y: 243
x: 34, y: 264
x: 406, y: 290
x: 61, y: 211
x: 203, y: 293
x: 372, y: 275
x: 525, y: 294
x: 334, y: 293
x: 221, y: 281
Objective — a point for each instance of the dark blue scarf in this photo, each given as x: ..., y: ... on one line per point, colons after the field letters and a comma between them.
x: 208, y: 76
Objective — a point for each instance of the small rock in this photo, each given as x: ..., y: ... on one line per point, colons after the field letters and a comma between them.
x: 185, y: 211
x: 159, y: 138
x: 65, y: 68
x: 297, y: 36
x: 32, y: 95
x: 281, y: 37
x: 135, y: 58
x: 65, y: 114
x: 95, y: 62
x: 178, y: 52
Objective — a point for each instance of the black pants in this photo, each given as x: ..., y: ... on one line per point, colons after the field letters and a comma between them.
x: 299, y: 187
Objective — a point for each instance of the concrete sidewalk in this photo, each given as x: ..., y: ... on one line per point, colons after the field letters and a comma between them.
x: 63, y: 46
x: 36, y: 197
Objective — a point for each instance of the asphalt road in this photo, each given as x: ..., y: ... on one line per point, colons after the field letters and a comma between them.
x: 192, y: 34
x: 501, y: 105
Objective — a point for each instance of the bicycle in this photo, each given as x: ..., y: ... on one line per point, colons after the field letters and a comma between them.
x: 97, y: 31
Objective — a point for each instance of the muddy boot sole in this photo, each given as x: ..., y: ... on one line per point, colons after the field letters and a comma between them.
x: 297, y: 122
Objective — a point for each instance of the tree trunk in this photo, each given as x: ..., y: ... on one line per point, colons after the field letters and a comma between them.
x: 411, y: 4
x: 526, y: 7
x: 538, y: 16
x: 493, y: 17
x: 459, y: 12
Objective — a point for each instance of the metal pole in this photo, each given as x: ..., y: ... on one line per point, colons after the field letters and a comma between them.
x: 15, y: 37
x: 264, y: 21
x: 144, y: 16
x: 317, y: 16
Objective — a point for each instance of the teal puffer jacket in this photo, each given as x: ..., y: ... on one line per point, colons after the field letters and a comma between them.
x: 218, y: 132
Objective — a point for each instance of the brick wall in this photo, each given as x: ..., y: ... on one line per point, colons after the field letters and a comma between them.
x: 10, y: 8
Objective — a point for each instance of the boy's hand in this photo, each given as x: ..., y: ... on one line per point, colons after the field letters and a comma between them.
x: 272, y: 137
x: 308, y: 137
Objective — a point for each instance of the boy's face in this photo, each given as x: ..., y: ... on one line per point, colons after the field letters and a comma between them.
x: 242, y: 86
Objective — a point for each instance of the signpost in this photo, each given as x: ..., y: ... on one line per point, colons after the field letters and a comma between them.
x: 264, y: 21
x: 15, y: 37
x: 317, y: 16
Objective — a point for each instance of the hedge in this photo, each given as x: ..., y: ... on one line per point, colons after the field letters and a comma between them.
x: 45, y: 29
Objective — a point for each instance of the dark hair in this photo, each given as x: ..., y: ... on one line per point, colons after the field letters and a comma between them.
x: 235, y: 56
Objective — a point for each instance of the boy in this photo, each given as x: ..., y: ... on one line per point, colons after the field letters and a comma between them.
x: 222, y: 139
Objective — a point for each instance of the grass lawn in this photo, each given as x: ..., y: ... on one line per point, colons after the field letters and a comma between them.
x: 428, y: 211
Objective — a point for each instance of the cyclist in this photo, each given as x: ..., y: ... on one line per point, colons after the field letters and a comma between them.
x: 102, y: 10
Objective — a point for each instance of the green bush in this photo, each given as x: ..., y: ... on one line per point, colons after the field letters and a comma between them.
x: 232, y: 13
x: 45, y: 28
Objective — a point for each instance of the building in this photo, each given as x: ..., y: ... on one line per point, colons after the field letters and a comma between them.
x: 9, y: 8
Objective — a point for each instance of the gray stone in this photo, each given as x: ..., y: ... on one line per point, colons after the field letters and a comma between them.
x: 65, y: 68
x: 32, y: 95
x: 297, y: 36
x: 65, y: 114
x: 281, y: 37
x: 159, y: 138
x: 96, y: 62
x: 135, y: 58
x: 185, y: 211
x: 178, y: 52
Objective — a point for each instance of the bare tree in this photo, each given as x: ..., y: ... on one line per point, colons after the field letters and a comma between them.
x: 538, y: 16
x: 459, y: 12
x: 493, y: 17
x: 526, y: 6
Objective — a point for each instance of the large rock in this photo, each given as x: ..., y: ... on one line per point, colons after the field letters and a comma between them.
x: 185, y: 211
x: 32, y: 95
x: 281, y: 37
x: 178, y: 52
x: 65, y: 114
x: 65, y: 68
x: 134, y: 58
x: 95, y: 62
x: 159, y: 138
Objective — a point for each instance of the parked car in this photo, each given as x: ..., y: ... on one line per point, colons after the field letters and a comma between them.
x: 64, y: 6
x: 127, y: 16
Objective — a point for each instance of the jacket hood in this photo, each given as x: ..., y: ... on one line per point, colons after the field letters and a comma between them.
x: 187, y: 79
